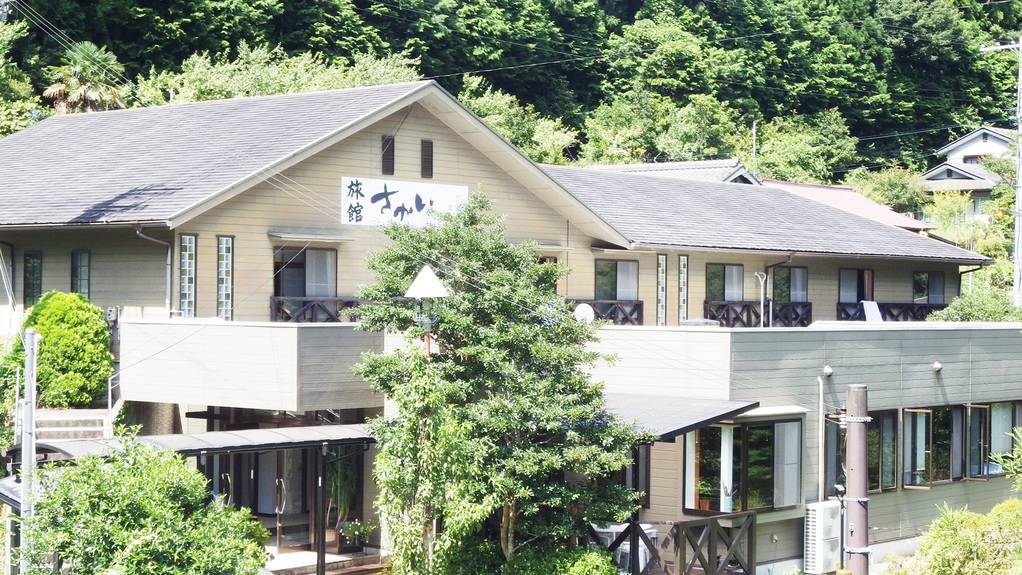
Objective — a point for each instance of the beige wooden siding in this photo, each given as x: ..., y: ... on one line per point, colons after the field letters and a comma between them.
x: 125, y: 270
x: 306, y: 199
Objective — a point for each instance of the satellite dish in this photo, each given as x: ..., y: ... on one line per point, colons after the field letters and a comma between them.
x: 585, y: 313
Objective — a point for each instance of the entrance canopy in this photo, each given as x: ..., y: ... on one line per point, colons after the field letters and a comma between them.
x: 670, y: 416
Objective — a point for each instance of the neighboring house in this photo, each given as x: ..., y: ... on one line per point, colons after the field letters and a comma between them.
x: 962, y: 169
x: 730, y: 170
x: 847, y: 199
x: 227, y: 239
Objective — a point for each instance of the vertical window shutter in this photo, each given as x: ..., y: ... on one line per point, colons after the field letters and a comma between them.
x: 387, y: 158
x: 427, y: 158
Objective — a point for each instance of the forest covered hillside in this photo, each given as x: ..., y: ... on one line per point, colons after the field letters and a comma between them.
x: 833, y: 83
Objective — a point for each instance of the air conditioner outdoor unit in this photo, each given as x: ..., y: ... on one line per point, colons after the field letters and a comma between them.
x: 823, y: 537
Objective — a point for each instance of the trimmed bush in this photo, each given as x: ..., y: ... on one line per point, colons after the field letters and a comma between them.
x: 74, y: 360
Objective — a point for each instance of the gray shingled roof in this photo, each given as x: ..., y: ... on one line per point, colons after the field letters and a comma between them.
x: 148, y: 164
x: 652, y: 211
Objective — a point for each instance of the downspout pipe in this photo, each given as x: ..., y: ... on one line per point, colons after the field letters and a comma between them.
x: 962, y: 273
x: 170, y: 263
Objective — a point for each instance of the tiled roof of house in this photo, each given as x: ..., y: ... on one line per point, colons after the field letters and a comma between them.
x: 706, y: 170
x: 148, y: 164
x: 652, y: 211
x: 849, y: 200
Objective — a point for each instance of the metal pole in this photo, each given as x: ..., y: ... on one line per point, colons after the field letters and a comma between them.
x: 1017, y: 255
x: 321, y: 511
x: 28, y: 442
x: 856, y: 502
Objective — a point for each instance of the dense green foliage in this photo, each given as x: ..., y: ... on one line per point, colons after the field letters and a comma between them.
x: 501, y: 423
x: 657, y: 79
x: 73, y: 361
x: 562, y: 561
x: 139, y: 511
x: 961, y: 542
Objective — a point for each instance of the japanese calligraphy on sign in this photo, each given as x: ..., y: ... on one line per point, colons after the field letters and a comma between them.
x: 372, y: 202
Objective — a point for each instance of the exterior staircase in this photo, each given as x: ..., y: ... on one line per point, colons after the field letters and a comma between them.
x: 63, y: 424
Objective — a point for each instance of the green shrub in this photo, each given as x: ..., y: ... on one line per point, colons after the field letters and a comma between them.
x: 555, y: 560
x: 139, y: 511
x: 74, y: 360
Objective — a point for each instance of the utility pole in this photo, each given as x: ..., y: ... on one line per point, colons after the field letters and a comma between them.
x: 857, y: 551
x: 1017, y: 255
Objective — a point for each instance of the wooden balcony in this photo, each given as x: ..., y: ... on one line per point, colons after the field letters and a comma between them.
x: 618, y: 311
x: 721, y: 543
x: 732, y: 313
x: 313, y: 309
x: 889, y: 311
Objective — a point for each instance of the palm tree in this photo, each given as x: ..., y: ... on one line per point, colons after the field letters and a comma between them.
x: 81, y: 81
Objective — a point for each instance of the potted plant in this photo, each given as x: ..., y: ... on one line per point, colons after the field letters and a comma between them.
x: 356, y: 532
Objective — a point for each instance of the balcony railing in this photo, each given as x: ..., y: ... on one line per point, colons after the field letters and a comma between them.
x: 722, y: 543
x: 312, y: 309
x: 618, y: 311
x: 889, y: 311
x: 732, y: 313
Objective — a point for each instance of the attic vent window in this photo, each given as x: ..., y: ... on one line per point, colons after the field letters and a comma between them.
x: 387, y: 159
x: 985, y: 137
x: 427, y: 158
x: 947, y: 173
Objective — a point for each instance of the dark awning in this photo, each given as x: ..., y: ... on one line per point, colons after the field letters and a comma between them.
x: 249, y: 440
x: 669, y: 416
x: 212, y: 442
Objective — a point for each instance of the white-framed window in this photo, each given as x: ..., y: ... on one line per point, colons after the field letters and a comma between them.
x: 225, y: 277
x: 661, y: 289
x: 682, y: 288
x: 741, y: 467
x: 186, y: 270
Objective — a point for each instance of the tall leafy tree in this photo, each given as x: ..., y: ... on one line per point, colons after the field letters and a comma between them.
x: 262, y: 70
x: 502, y: 419
x: 543, y: 139
x: 86, y: 81
x: 19, y: 105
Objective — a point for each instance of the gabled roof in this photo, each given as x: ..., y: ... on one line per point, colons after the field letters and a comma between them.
x: 847, y: 199
x: 964, y: 177
x: 1000, y: 134
x: 729, y: 170
x: 667, y: 213
x: 164, y: 165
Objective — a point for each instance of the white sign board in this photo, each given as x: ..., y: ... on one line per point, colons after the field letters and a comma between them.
x: 370, y: 202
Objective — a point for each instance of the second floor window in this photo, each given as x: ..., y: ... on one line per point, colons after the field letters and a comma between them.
x: 186, y: 270
x: 225, y: 277
x: 33, y: 284
x: 80, y: 272
x: 791, y: 284
x: 725, y: 282
x: 617, y: 280
x: 928, y: 287
x: 855, y: 285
